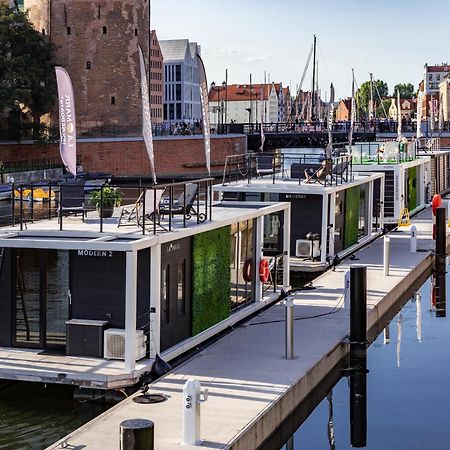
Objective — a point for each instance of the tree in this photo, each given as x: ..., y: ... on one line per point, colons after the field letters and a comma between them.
x: 27, y: 80
x: 380, y: 89
x: 406, y: 90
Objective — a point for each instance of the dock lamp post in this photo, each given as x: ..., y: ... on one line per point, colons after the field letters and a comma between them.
x: 222, y: 109
x: 217, y: 89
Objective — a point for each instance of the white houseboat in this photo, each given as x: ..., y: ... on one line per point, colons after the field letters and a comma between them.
x: 333, y: 214
x: 91, y: 301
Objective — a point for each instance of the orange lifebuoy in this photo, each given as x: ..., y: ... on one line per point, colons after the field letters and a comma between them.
x: 436, y: 203
x: 264, y: 270
x: 247, y: 270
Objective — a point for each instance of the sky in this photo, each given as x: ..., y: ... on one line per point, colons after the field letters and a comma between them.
x: 393, y: 39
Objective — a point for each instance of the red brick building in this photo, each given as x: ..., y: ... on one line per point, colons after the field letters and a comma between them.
x: 344, y: 109
x: 156, y: 83
x: 96, y: 42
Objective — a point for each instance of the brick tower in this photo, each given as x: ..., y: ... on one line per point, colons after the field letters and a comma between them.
x: 96, y: 42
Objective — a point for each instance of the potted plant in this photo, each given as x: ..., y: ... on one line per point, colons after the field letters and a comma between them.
x: 112, y: 197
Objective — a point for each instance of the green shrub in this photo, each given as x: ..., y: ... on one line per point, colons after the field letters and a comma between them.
x: 351, y: 216
x: 412, y: 188
x: 210, y: 279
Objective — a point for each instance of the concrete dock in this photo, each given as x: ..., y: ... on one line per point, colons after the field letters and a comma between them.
x: 252, y: 387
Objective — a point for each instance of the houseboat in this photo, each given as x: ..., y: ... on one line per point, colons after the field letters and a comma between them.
x: 334, y: 211
x: 91, y: 301
x: 407, y: 176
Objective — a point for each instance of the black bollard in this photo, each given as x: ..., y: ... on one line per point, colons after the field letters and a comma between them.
x: 137, y: 434
x: 358, y: 401
x: 358, y: 309
x: 440, y: 261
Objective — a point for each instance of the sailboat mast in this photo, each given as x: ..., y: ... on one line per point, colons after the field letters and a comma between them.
x: 371, y: 106
x: 313, y: 116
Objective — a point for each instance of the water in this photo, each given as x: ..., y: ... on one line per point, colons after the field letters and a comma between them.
x: 408, y: 389
x: 33, y: 415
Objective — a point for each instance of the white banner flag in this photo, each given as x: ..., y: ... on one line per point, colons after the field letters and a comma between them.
x: 67, y: 122
x: 205, y: 112
x: 419, y: 114
x: 146, y: 115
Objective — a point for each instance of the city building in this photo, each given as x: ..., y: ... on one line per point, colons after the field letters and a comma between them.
x: 432, y: 77
x: 156, y: 82
x: 181, y: 82
x: 245, y: 103
x: 343, y: 110
x: 444, y: 97
x: 97, y: 44
x: 407, y: 105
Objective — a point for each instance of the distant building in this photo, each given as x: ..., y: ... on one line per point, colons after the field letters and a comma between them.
x: 96, y: 42
x: 343, y: 110
x: 245, y: 103
x: 444, y: 97
x: 407, y: 105
x: 156, y: 82
x: 181, y: 82
x: 432, y: 77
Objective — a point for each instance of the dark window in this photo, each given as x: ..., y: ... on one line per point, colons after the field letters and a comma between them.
x: 43, y: 31
x: 69, y: 30
x: 113, y: 100
x: 135, y: 31
x: 165, y: 295
x: 171, y: 112
x: 178, y: 111
x: 178, y: 92
x: 165, y: 112
x: 178, y: 73
x: 88, y: 65
x: 181, y: 300
x: 105, y: 30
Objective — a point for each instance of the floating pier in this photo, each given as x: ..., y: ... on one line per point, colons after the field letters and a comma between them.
x: 252, y: 387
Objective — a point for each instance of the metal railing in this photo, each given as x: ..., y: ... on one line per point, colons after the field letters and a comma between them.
x: 57, y: 201
x: 387, y: 152
x: 277, y: 167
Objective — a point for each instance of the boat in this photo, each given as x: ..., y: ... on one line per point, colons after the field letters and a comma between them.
x: 5, y: 192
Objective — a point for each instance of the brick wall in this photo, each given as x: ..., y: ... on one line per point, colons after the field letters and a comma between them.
x: 173, y: 156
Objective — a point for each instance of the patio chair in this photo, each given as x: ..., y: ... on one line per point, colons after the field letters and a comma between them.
x: 72, y: 198
x: 150, y: 212
x: 129, y: 213
x: 320, y: 175
x: 339, y: 169
x: 184, y: 204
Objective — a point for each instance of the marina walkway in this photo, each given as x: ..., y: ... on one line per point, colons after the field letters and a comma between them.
x: 252, y: 388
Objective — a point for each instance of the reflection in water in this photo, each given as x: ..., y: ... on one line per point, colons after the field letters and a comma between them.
x: 386, y: 335
x: 399, y: 337
x: 330, y: 427
x: 418, y: 297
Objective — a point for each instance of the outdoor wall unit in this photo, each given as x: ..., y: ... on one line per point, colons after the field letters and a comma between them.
x: 85, y: 337
x: 305, y: 248
x: 114, y: 344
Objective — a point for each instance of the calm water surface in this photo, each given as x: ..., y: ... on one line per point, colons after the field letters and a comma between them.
x: 408, y: 389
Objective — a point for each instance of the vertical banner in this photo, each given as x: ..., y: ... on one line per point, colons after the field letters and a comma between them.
x: 67, y: 122
x: 399, y: 116
x: 205, y: 111
x: 263, y: 136
x: 146, y: 115
x: 419, y: 114
x: 329, y: 149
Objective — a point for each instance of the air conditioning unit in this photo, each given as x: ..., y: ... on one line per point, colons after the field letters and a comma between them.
x: 114, y: 344
x: 303, y: 248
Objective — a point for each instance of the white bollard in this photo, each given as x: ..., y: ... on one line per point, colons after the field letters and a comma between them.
x: 347, y: 290
x: 386, y: 255
x: 413, y: 240
x: 289, y: 328
x: 193, y: 396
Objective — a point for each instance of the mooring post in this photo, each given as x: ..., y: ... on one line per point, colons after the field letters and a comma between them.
x: 358, y: 308
x: 413, y: 240
x: 440, y: 264
x: 193, y: 396
x: 358, y: 402
x: 289, y: 328
x: 386, y: 255
x: 137, y: 434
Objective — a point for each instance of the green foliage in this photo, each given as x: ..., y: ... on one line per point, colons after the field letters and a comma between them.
x: 406, y: 90
x: 363, y: 96
x: 27, y: 79
x: 412, y: 188
x: 210, y: 278
x: 383, y: 108
x: 352, y: 196
x: 111, y: 197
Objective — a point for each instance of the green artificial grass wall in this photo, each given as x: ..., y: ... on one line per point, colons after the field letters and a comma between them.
x: 412, y: 188
x: 351, y: 216
x: 210, y: 278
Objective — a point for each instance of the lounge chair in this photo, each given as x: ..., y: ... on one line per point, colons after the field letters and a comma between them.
x: 184, y: 204
x: 72, y: 199
x: 340, y: 169
x: 320, y: 175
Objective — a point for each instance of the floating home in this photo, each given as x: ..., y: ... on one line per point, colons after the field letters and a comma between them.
x: 331, y: 217
x: 408, y: 178
x: 91, y: 301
